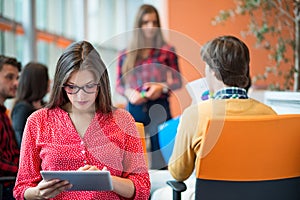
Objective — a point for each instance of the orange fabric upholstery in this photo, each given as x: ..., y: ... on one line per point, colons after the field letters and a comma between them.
x: 251, y: 148
x: 249, y: 157
x: 141, y: 130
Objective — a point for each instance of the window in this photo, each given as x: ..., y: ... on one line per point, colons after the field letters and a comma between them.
x: 40, y: 30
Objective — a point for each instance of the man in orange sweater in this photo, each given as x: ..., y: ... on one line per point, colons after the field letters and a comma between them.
x: 227, y: 74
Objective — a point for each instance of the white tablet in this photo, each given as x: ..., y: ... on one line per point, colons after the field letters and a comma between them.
x: 82, y: 180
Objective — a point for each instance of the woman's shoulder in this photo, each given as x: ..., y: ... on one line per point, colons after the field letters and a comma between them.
x: 46, y: 113
x: 168, y: 47
x: 122, y: 114
x: 125, y: 121
x: 39, y: 113
x: 22, y: 105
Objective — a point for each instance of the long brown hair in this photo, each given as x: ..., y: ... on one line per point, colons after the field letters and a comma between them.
x: 137, y: 42
x: 33, y: 83
x: 81, y: 56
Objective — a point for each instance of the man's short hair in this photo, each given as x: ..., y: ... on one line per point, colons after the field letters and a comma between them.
x: 229, y: 58
x: 5, y: 60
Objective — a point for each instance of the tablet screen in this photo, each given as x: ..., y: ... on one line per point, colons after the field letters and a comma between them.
x: 82, y: 180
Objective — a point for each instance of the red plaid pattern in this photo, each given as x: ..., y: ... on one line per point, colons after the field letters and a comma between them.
x: 160, y: 66
x: 9, y: 152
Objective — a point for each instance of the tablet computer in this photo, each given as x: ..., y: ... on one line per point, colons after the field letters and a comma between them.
x: 82, y: 180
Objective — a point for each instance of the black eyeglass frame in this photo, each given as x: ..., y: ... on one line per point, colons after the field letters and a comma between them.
x: 80, y: 88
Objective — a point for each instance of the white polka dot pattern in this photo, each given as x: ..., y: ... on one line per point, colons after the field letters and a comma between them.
x: 51, y: 142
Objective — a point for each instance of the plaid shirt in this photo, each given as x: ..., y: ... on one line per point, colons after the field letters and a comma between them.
x: 160, y: 66
x: 231, y: 93
x: 9, y: 152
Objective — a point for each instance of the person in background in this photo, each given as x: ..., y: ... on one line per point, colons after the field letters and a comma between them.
x: 9, y: 151
x: 227, y: 74
x: 80, y: 130
x: 147, y: 72
x: 32, y: 88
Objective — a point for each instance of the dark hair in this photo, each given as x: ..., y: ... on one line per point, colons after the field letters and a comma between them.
x: 229, y: 58
x: 33, y: 82
x: 81, y: 56
x: 5, y: 60
x: 145, y: 9
x: 137, y: 42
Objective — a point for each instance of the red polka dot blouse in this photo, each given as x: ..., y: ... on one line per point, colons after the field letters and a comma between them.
x: 51, y: 142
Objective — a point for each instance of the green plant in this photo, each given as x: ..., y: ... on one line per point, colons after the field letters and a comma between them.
x: 275, y: 25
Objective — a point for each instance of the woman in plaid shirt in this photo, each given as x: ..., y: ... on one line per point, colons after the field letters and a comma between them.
x: 147, y: 72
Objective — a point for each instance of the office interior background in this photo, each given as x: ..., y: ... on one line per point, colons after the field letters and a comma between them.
x: 39, y: 30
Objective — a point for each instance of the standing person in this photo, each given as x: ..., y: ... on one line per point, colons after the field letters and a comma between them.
x: 9, y: 152
x: 80, y: 130
x: 227, y: 73
x: 33, y: 86
x: 147, y: 72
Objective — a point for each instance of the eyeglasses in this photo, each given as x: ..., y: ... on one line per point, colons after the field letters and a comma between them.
x: 74, y: 89
x: 146, y: 22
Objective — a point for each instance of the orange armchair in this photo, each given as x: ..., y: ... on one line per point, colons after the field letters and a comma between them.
x: 141, y: 129
x: 253, y: 157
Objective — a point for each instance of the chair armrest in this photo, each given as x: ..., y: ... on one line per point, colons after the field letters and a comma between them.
x: 177, y: 187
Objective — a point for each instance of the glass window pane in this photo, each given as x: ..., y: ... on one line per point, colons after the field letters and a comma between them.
x: 8, y: 11
x: 19, y: 47
x: 73, y: 26
x: 54, y: 16
x: 1, y: 7
x: 18, y: 10
x: 43, y: 52
x: 41, y: 14
x: 9, y: 44
x: 48, y: 53
x: 1, y: 42
x: 69, y: 16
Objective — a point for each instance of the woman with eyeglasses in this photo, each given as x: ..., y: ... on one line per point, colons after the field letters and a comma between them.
x: 81, y: 130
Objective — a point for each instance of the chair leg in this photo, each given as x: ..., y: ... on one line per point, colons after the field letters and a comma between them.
x: 176, y: 195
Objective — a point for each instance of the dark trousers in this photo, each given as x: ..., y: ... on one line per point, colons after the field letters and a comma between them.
x: 7, y: 192
x: 152, y: 114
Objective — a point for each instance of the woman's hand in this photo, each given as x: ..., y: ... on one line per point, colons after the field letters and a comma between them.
x: 88, y: 168
x: 122, y: 186
x: 47, y: 189
x: 135, y: 97
x: 154, y: 90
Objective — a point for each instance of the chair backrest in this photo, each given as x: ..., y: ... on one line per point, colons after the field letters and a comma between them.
x: 256, y: 157
x: 141, y: 130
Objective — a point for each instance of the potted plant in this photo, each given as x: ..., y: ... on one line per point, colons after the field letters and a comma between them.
x: 270, y: 21
x: 275, y: 24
